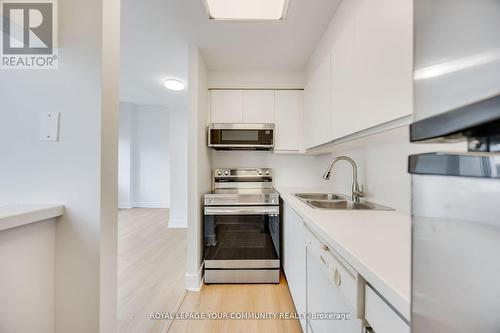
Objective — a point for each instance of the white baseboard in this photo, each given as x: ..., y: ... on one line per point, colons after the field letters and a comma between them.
x: 150, y: 204
x: 194, y: 281
x: 125, y: 205
x: 177, y: 223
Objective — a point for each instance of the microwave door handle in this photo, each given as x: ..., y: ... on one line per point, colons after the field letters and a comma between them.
x: 239, y: 210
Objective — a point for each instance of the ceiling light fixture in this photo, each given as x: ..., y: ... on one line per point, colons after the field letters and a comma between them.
x: 245, y: 10
x: 174, y: 85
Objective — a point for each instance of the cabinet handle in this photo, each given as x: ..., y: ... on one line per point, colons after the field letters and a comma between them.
x: 337, y: 277
x: 323, y: 260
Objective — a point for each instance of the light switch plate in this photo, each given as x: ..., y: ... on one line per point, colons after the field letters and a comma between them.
x: 49, y: 126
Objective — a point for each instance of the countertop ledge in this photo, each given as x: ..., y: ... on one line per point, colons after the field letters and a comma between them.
x: 377, y: 244
x: 16, y: 215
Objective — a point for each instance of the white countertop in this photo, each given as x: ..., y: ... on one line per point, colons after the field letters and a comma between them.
x: 12, y: 216
x: 376, y: 243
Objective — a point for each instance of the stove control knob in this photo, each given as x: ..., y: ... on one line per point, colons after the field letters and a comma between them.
x: 267, y: 172
x: 226, y: 173
x: 260, y: 172
x: 219, y: 173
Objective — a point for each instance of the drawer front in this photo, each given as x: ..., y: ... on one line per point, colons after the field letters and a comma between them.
x: 380, y: 316
x: 341, y: 275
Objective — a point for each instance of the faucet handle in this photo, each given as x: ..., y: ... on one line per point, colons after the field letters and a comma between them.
x: 357, y: 192
x: 361, y: 191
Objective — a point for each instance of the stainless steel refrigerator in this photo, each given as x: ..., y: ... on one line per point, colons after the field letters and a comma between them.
x: 456, y: 196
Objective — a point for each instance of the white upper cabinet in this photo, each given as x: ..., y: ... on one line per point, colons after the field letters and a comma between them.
x: 288, y: 135
x: 226, y: 106
x: 258, y: 106
x: 345, y: 84
x: 317, y: 106
x: 384, y: 44
x: 242, y: 106
x: 367, y: 78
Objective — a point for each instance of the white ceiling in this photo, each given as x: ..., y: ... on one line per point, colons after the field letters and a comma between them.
x: 156, y: 35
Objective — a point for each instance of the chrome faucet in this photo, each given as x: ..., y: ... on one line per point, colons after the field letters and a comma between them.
x: 357, y: 192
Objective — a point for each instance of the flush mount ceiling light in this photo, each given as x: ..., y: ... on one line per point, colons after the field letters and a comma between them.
x: 246, y: 10
x: 173, y: 84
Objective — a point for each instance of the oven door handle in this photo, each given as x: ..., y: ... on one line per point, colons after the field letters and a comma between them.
x: 243, y: 210
x: 240, y: 145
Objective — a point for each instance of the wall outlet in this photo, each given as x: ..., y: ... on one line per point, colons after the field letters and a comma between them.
x: 49, y: 126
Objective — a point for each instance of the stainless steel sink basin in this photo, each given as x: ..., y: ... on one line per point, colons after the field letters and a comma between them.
x: 337, y: 201
x: 320, y: 196
x: 346, y: 205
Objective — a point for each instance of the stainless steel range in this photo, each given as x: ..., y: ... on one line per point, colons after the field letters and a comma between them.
x: 242, y: 228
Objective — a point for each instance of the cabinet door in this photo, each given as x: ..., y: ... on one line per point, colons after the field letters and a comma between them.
x: 380, y: 315
x: 226, y: 106
x: 317, y: 110
x: 288, y: 120
x: 346, y: 79
x: 294, y: 259
x: 258, y: 106
x: 384, y: 43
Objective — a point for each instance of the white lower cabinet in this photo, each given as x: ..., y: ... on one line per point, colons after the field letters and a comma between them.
x: 331, y: 289
x: 380, y: 316
x: 294, y: 259
x: 322, y: 282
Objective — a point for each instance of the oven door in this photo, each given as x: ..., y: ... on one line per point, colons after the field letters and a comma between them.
x: 241, y: 136
x: 242, y: 237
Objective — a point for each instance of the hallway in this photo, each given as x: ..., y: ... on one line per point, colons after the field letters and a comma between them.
x: 151, y: 267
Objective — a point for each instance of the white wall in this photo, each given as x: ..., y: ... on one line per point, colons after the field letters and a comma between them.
x: 144, y: 161
x: 382, y: 161
x: 110, y: 75
x: 288, y: 170
x: 125, y: 146
x: 199, y: 164
x: 178, y: 168
x: 78, y: 171
x: 256, y: 79
x: 151, y: 157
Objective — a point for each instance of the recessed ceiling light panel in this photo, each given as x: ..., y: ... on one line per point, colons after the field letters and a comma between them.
x: 244, y: 10
x: 173, y: 84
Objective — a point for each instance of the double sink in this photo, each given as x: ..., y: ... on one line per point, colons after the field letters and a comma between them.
x: 337, y: 201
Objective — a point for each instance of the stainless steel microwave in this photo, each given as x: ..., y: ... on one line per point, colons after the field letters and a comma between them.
x: 241, y: 136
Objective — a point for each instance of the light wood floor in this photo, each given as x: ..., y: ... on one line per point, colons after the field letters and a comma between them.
x: 229, y: 298
x: 151, y: 268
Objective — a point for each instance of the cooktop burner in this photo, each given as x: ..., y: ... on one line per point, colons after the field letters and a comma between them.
x: 242, y: 187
